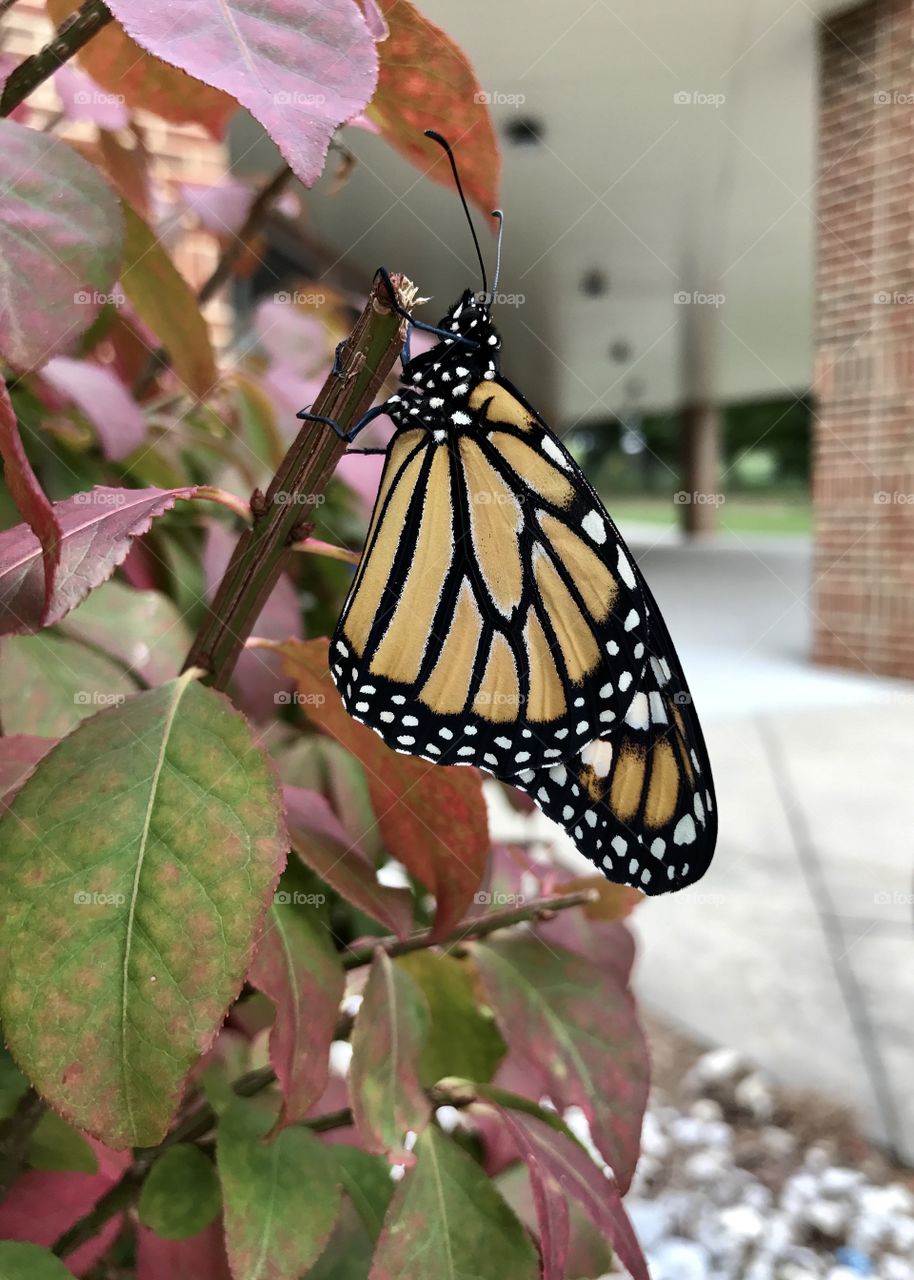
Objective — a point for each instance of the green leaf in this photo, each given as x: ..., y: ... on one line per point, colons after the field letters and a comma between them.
x: 461, y: 1039
x: 136, y: 864
x: 48, y: 684
x: 181, y: 1195
x: 384, y: 1085
x: 448, y: 1222
x: 19, y: 1261
x: 165, y: 301
x: 142, y: 630
x: 281, y: 1198
x: 367, y: 1181
x: 56, y: 1146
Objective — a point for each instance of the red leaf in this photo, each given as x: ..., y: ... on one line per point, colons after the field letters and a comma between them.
x: 426, y: 82
x: 202, y: 1256
x: 41, y: 517
x: 576, y: 1027
x: 432, y: 817
x: 96, y: 529
x: 105, y: 401
x: 41, y: 1205
x: 384, y: 1085
x: 558, y: 1165
x: 300, y: 72
x: 60, y: 244
x: 321, y: 840
x: 18, y: 756
x: 299, y: 969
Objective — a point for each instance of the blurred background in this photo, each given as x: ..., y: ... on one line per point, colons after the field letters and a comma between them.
x: 708, y: 288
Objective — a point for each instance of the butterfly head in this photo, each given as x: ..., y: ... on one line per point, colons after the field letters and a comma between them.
x: 470, y: 320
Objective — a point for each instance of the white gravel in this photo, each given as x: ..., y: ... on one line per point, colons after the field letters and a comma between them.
x: 702, y: 1214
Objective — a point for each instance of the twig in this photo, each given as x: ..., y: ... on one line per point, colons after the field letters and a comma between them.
x: 72, y: 34
x: 260, y: 207
x: 261, y: 552
x: 538, y: 909
x: 15, y: 1134
x: 258, y: 211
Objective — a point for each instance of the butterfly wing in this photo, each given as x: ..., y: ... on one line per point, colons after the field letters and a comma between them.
x: 639, y: 801
x: 496, y: 618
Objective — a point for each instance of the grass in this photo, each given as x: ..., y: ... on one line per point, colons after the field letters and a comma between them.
x: 738, y: 514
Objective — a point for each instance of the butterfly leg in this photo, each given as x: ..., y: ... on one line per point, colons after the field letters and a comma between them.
x: 384, y: 275
x: 339, y: 431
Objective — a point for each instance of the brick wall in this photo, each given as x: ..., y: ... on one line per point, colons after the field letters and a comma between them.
x: 863, y: 593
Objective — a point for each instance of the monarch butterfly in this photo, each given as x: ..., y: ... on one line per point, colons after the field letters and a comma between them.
x: 497, y: 618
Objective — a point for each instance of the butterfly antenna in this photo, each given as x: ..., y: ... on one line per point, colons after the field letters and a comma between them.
x: 497, y: 213
x: 443, y: 142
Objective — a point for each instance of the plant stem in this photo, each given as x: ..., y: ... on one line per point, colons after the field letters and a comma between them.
x: 262, y: 551
x: 72, y: 34
x: 260, y: 207
x: 481, y: 927
x: 15, y: 1133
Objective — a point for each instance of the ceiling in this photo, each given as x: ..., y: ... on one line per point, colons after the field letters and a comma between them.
x: 677, y: 157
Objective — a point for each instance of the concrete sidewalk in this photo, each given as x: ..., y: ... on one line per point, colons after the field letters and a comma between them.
x: 798, y: 946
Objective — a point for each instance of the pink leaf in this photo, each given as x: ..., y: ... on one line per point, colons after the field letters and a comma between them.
x: 321, y: 841
x: 105, y: 401
x: 42, y: 519
x: 18, y: 756
x: 258, y: 683
x: 221, y: 207
x: 576, y: 1026
x: 362, y: 473
x: 384, y: 1085
x: 82, y: 99
x: 41, y: 1205
x: 558, y: 1165
x: 299, y: 969
x: 96, y: 531
x: 290, y: 329
x: 60, y: 244
x: 202, y: 1257
x: 301, y: 70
